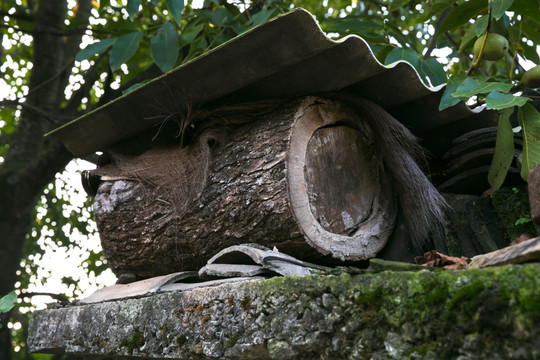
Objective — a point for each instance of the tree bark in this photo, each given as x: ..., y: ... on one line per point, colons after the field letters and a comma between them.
x: 306, y: 179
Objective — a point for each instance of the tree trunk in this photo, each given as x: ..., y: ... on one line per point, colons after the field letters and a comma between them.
x: 305, y: 178
x: 32, y: 161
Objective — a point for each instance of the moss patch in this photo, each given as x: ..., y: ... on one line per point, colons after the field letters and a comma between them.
x: 449, y: 313
x: 136, y: 341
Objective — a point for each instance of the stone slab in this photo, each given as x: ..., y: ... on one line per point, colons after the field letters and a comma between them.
x: 491, y: 313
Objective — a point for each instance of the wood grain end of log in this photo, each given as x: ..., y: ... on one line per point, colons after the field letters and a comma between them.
x: 340, y: 194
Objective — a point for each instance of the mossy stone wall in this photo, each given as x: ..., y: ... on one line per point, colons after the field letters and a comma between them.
x: 470, y: 314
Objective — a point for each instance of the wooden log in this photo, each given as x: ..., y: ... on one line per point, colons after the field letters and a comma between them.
x: 305, y: 178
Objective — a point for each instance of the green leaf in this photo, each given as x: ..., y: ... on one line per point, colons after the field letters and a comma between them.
x: 219, y: 16
x: 176, y: 7
x: 350, y: 24
x: 124, y: 48
x: 164, y: 46
x: 104, y: 4
x: 461, y: 14
x: 196, y: 48
x: 8, y: 302
x: 133, y: 8
x: 406, y: 54
x: 438, y: 6
x: 261, y: 17
x: 504, y: 150
x: 472, y: 86
x: 480, y: 25
x: 447, y: 100
x: 190, y: 33
x: 119, y: 26
x: 530, y: 9
x: 500, y: 6
x: 397, y: 4
x: 95, y: 48
x: 236, y: 13
x: 530, y: 53
x: 69, y: 280
x: 531, y: 30
x: 381, y: 51
x: 468, y: 39
x: 498, y: 101
x: 529, y: 119
x: 433, y: 70
x: 523, y: 220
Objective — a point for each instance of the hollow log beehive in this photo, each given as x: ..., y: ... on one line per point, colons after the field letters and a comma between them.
x: 306, y: 178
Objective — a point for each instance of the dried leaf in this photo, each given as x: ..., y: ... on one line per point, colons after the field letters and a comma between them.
x: 522, y: 238
x: 434, y: 258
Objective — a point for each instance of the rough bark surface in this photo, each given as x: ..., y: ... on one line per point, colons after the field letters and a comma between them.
x: 469, y: 314
x: 32, y: 161
x: 260, y: 189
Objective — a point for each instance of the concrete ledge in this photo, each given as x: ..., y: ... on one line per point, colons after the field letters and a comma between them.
x: 471, y: 314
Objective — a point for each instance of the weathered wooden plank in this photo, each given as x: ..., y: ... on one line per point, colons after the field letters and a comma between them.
x: 523, y: 252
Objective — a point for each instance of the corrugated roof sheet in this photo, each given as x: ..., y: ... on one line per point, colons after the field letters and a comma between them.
x: 287, y: 57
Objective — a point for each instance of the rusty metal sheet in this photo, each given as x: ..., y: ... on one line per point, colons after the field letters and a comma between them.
x: 181, y: 281
x: 286, y: 57
x: 236, y: 261
x: 137, y: 288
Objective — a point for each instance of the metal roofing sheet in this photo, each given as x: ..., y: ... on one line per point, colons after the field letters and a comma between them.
x: 286, y: 57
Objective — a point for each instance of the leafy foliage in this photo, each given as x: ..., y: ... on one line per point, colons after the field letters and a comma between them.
x: 406, y: 30
x: 529, y: 119
x: 164, y: 45
x: 8, y: 302
x: 504, y: 150
x: 124, y: 48
x: 498, y: 88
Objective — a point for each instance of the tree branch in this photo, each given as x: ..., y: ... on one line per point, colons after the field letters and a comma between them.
x: 433, y: 42
x: 54, y: 119
x: 52, y: 160
x: 4, y: 139
x: 72, y: 45
x: 92, y: 75
x: 18, y: 16
x: 17, y: 28
x: 47, y: 81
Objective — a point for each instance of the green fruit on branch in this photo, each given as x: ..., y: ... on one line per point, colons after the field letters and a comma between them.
x: 531, y: 77
x: 496, y: 47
